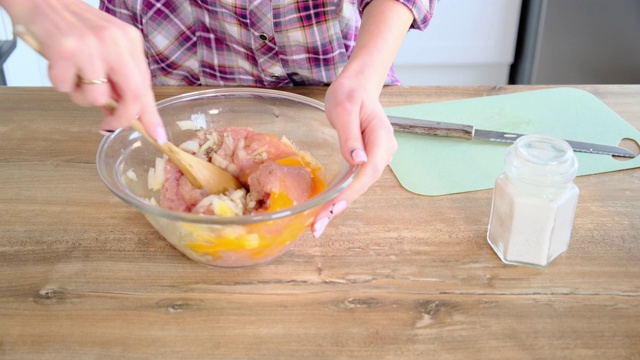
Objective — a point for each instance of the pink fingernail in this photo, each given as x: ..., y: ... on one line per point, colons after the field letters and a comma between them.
x: 106, y: 132
x: 359, y: 156
x: 319, y: 226
x: 160, y: 136
x: 338, y: 207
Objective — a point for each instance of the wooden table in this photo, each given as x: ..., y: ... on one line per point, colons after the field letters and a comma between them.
x: 83, y: 275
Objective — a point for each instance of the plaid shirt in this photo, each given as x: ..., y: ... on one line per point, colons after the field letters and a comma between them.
x: 262, y: 43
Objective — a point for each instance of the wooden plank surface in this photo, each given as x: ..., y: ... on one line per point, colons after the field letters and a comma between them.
x: 396, y: 276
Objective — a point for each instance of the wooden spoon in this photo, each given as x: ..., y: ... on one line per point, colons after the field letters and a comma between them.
x: 201, y: 173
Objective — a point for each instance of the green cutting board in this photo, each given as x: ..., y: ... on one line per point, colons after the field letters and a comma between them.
x: 432, y: 165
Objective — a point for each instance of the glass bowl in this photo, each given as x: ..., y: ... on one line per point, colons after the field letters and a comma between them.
x: 125, y: 157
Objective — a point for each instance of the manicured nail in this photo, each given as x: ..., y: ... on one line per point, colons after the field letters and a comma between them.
x: 106, y: 132
x: 338, y: 207
x: 319, y: 226
x: 359, y: 156
x: 160, y: 136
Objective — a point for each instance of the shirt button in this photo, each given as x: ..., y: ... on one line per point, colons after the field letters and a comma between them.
x: 263, y: 37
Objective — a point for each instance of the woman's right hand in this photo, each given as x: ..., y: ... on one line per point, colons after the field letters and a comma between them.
x: 85, y: 45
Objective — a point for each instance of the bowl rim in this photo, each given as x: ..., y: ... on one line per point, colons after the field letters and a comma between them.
x: 343, y: 180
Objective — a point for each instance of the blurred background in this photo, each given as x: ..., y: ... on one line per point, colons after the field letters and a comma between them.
x: 474, y: 42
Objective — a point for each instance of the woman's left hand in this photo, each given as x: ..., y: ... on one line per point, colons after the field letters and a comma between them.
x: 366, y: 138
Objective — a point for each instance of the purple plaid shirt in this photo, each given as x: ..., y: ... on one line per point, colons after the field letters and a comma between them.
x: 258, y: 43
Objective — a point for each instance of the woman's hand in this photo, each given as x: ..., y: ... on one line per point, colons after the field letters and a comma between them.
x: 353, y: 106
x: 366, y: 138
x: 93, y: 57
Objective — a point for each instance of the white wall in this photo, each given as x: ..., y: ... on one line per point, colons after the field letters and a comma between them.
x: 469, y: 42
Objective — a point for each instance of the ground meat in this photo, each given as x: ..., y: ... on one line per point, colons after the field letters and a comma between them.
x: 274, y: 172
x: 171, y: 198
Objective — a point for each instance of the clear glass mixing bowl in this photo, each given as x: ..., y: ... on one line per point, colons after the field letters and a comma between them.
x: 228, y: 241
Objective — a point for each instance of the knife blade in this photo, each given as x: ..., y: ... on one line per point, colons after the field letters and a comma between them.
x: 465, y: 131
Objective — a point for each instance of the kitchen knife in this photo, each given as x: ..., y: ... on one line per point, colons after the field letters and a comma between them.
x: 440, y: 128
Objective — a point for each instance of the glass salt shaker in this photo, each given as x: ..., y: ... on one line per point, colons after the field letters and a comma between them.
x: 534, y: 202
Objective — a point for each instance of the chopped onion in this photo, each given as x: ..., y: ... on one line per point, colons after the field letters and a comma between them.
x: 218, y: 161
x: 198, y: 121
x: 186, y: 125
x: 190, y: 146
x: 212, y: 142
x: 131, y: 175
x: 155, y: 179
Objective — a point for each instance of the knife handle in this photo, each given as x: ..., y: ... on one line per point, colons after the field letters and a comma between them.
x: 428, y: 127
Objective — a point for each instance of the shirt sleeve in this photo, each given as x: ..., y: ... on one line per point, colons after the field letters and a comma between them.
x: 422, y: 11
x: 121, y: 9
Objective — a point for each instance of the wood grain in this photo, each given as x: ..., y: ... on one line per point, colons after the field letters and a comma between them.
x: 396, y: 276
